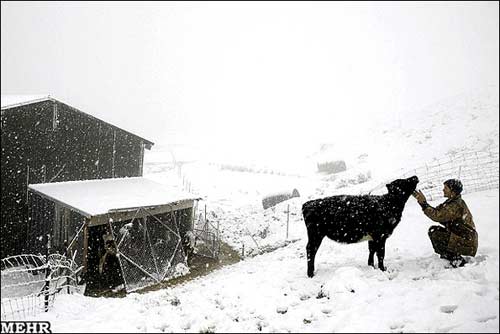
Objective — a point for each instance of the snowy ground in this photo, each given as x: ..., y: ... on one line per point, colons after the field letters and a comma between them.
x: 270, y: 292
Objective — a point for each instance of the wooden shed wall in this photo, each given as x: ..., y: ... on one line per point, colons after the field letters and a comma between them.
x: 50, y: 141
x: 40, y: 223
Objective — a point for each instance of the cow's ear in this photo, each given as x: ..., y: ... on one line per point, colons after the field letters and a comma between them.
x: 393, y: 188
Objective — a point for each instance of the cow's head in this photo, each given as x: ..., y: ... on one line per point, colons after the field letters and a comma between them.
x: 403, y: 187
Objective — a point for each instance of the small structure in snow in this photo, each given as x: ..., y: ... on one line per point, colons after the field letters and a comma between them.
x: 273, y: 199
x: 332, y: 167
x: 138, y: 221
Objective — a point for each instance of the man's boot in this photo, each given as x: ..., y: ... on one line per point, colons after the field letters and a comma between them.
x: 457, y: 261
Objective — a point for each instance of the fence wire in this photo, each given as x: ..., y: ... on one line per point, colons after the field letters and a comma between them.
x: 150, y: 249
x: 207, y: 241
x: 29, y: 283
x: 477, y: 170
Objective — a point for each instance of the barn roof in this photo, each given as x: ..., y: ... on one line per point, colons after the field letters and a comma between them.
x: 13, y: 101
x: 97, y: 197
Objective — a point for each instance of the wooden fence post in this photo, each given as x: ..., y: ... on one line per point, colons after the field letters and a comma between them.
x: 287, y: 219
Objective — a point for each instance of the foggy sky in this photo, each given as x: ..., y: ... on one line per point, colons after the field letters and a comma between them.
x: 249, y: 74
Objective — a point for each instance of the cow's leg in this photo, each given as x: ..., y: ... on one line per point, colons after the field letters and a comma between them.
x: 381, y: 253
x: 311, y: 249
x: 371, y: 249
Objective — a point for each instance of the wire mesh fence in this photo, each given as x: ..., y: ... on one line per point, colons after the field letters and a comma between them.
x: 207, y: 241
x: 29, y: 283
x: 477, y: 170
x: 150, y: 249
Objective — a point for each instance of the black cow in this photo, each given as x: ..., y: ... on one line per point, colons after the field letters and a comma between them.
x: 349, y: 219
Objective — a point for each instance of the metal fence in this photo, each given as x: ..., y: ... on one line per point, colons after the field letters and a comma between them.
x: 477, y: 170
x: 29, y: 283
x: 207, y: 241
x: 150, y: 249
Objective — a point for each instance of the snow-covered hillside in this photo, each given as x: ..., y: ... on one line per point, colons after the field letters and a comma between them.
x: 466, y: 122
x: 270, y: 292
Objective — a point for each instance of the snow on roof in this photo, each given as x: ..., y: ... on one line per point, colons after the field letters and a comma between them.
x: 16, y: 100
x: 95, y: 197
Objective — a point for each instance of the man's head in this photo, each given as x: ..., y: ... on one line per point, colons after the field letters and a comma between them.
x: 452, y: 188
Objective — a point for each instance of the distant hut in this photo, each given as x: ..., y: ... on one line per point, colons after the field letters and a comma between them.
x: 278, y: 197
x: 332, y: 167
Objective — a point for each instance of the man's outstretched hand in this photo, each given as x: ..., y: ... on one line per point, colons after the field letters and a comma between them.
x: 419, y: 196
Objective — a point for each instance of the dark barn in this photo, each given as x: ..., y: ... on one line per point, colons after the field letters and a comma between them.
x: 45, y: 141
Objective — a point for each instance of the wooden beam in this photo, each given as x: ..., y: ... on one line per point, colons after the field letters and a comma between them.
x: 130, y: 213
x: 85, y: 245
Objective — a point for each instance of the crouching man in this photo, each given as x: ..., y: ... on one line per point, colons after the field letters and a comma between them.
x: 458, y: 234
